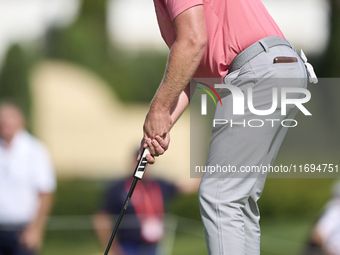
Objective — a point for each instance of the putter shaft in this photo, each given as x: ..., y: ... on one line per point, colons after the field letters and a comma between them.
x: 122, y: 212
x: 138, y: 175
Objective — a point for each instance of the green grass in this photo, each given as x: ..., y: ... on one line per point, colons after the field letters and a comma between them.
x: 188, y: 244
x: 288, y: 208
x: 279, y: 236
x: 67, y: 242
x: 285, y: 236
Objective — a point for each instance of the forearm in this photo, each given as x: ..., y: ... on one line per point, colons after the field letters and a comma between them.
x: 46, y: 200
x: 102, y: 224
x: 184, y: 58
x: 181, y: 104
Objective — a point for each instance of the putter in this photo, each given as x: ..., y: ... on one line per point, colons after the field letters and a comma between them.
x: 138, y: 175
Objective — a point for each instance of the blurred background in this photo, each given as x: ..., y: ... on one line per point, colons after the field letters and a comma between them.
x: 85, y: 72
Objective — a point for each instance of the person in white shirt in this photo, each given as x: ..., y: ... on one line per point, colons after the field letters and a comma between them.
x: 27, y: 183
x: 326, y: 233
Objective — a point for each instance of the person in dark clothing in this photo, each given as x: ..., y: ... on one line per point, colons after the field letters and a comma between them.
x: 143, y: 225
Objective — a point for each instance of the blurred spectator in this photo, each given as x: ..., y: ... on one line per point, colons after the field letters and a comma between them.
x: 142, y: 227
x: 27, y: 183
x: 326, y: 233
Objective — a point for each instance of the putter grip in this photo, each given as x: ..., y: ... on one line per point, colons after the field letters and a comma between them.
x: 141, y: 165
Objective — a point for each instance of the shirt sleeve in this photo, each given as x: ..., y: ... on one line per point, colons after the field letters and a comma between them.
x: 329, y: 221
x: 45, y: 176
x: 176, y: 7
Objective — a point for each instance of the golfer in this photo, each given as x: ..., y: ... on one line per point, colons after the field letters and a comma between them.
x: 239, y: 43
x: 27, y: 183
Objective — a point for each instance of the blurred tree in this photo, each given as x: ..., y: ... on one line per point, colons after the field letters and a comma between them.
x: 84, y: 42
x: 329, y: 67
x: 331, y: 59
x: 14, y: 79
x: 323, y: 126
x: 95, y: 8
x: 134, y: 76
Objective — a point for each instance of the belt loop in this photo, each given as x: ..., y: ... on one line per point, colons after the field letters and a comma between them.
x: 264, y: 45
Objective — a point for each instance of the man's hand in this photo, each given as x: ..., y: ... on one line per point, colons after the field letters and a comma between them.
x: 156, y: 133
x: 33, y: 234
x: 156, y: 146
x: 31, y: 238
x: 157, y: 123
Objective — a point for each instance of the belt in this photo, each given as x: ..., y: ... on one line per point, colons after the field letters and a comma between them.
x: 255, y: 49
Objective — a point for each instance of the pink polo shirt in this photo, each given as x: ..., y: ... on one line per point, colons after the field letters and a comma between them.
x: 232, y: 26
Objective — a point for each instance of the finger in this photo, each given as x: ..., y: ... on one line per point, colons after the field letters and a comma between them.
x: 164, y: 142
x: 151, y: 147
x: 158, y: 148
x: 144, y: 140
x: 150, y: 159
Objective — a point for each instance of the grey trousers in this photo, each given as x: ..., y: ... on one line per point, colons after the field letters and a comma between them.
x: 228, y: 201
